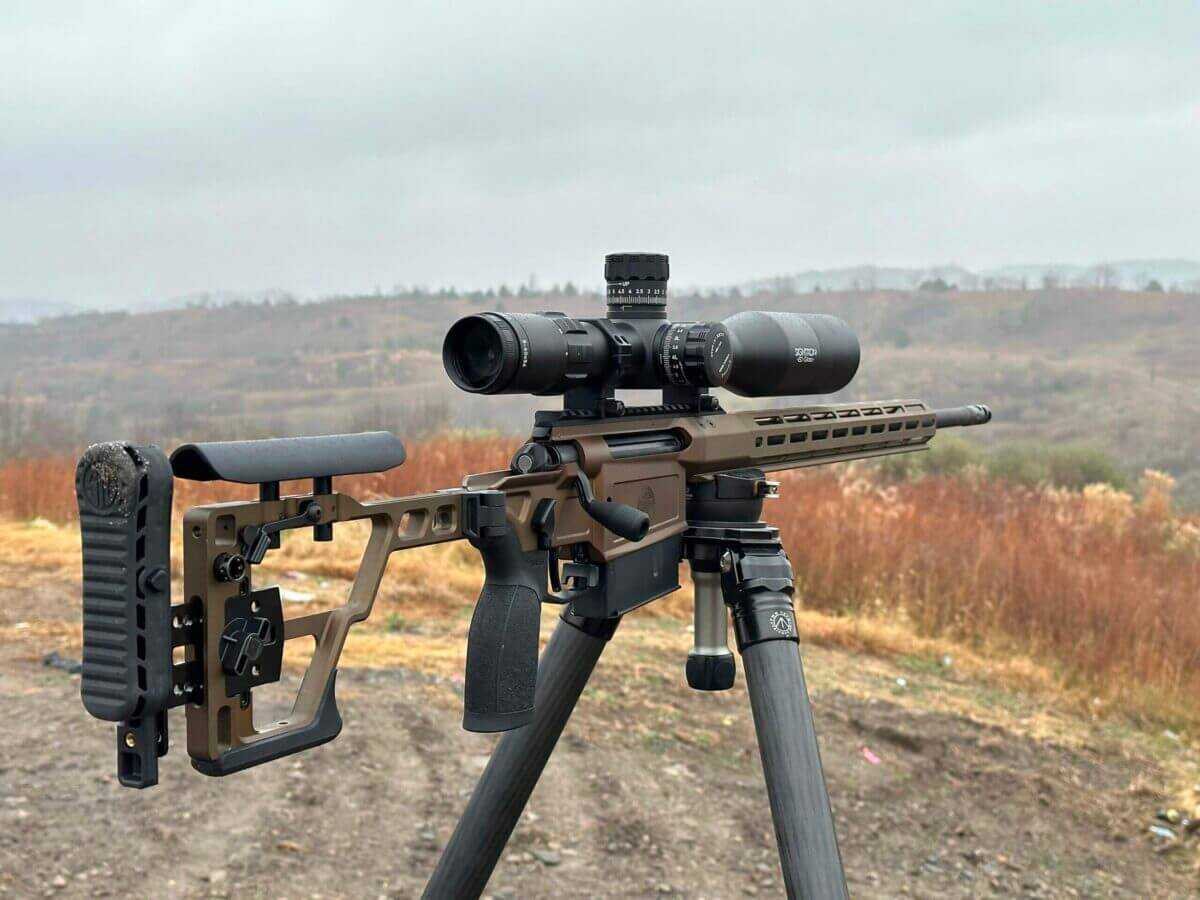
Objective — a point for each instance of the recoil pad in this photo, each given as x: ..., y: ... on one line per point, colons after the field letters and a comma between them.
x: 502, y: 644
x: 124, y: 493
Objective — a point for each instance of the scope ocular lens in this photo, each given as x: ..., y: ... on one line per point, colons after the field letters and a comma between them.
x: 481, y: 353
x: 478, y: 351
x: 523, y: 353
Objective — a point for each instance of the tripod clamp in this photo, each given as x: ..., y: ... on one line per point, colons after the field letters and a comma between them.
x: 758, y: 588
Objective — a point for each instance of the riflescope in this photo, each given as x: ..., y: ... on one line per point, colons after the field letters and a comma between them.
x: 755, y: 354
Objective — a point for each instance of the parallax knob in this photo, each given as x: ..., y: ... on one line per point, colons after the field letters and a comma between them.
x: 706, y: 354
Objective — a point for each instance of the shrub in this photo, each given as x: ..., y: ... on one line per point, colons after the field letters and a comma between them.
x: 1068, y: 465
x: 948, y: 455
x: 1072, y: 466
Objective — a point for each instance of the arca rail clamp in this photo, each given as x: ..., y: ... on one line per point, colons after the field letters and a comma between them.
x: 231, y: 635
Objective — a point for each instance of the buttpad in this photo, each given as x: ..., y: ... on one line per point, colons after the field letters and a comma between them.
x: 124, y: 493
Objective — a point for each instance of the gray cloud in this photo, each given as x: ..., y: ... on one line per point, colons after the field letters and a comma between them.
x: 149, y: 150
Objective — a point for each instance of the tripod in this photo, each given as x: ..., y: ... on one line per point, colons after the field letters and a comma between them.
x: 737, y: 562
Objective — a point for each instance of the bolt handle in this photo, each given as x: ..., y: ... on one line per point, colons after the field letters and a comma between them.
x: 622, y: 520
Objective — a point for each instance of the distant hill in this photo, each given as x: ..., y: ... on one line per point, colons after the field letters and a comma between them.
x: 1116, y: 369
x: 30, y: 309
x: 1177, y: 275
x: 1130, y: 275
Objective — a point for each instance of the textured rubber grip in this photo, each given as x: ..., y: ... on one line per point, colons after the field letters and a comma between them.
x: 502, y: 659
x: 502, y: 644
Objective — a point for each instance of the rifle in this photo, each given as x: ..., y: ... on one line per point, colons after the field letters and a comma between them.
x: 595, y: 513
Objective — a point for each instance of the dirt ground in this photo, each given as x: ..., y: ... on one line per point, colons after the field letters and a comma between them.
x: 655, y: 791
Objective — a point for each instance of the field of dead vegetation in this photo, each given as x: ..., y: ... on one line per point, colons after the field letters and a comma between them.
x: 1095, y: 589
x: 1006, y: 684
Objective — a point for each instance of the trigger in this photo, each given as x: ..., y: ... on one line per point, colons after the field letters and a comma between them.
x: 543, y: 523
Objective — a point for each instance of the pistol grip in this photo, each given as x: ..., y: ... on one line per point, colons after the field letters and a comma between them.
x: 502, y: 644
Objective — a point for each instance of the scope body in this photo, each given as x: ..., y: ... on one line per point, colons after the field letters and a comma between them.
x: 755, y: 354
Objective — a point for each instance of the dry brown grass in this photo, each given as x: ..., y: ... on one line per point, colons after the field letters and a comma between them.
x: 1099, y: 586
x: 1089, y: 594
x: 44, y: 486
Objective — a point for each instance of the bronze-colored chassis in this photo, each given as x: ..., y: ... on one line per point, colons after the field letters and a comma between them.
x: 767, y: 439
x: 221, y: 723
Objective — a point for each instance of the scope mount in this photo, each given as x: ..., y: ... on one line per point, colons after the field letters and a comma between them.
x: 587, y: 402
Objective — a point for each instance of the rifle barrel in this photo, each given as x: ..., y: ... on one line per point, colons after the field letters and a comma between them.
x: 963, y: 416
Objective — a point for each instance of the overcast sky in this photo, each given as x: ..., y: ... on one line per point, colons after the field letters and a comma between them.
x: 149, y: 150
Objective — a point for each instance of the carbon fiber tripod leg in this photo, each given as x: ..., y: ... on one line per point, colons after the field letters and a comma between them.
x: 517, y: 762
x: 758, y: 588
x: 787, y: 742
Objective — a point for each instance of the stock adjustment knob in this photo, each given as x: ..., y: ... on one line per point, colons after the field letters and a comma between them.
x: 242, y: 643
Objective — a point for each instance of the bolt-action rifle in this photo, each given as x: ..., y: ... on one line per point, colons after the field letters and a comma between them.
x: 595, y: 513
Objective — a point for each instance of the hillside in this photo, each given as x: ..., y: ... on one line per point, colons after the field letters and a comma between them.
x: 1129, y: 274
x: 1113, y: 369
